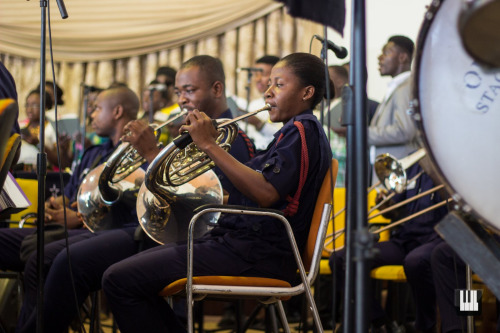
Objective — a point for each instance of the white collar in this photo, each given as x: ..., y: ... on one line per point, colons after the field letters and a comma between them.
x: 395, y: 82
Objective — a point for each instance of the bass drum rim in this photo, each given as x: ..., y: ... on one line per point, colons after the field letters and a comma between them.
x: 430, y: 165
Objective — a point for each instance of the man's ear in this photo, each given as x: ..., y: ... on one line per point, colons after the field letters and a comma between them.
x: 403, y: 58
x: 218, y: 88
x: 118, y: 112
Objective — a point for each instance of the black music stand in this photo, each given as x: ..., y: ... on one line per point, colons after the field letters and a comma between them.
x: 42, y: 161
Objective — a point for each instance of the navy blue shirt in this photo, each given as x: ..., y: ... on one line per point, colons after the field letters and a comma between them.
x: 242, y: 149
x: 93, y: 156
x: 421, y: 228
x: 123, y: 213
x: 261, y: 240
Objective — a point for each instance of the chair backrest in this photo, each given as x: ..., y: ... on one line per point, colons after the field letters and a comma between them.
x: 325, y: 196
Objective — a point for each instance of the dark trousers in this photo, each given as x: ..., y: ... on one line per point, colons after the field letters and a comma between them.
x: 10, y: 246
x: 449, y: 274
x: 91, y: 254
x: 410, y: 255
x: 132, y: 285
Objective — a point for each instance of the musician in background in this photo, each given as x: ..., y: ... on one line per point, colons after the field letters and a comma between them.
x: 259, y: 128
x: 410, y: 243
x: 114, y: 108
x: 166, y: 75
x: 239, y: 244
x: 161, y: 105
x: 391, y: 129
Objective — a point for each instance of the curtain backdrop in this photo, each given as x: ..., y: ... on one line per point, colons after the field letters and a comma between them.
x: 104, y: 41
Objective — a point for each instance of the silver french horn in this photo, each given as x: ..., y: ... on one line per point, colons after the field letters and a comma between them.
x: 179, y: 180
x: 104, y: 186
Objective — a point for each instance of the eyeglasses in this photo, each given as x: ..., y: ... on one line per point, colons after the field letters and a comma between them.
x: 32, y: 106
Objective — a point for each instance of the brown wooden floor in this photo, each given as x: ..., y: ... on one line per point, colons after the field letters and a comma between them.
x: 210, y: 326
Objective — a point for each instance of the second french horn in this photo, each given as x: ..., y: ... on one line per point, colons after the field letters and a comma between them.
x: 103, y: 187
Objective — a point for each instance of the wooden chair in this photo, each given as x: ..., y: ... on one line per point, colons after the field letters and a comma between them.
x: 265, y: 290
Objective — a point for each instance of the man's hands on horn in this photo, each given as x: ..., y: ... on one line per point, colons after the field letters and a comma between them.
x: 141, y: 136
x: 201, y: 128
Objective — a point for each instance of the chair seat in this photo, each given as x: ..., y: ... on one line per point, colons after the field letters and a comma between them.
x: 244, y: 281
x: 389, y: 272
x: 324, y: 267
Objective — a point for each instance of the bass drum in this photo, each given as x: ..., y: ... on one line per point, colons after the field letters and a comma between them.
x: 457, y: 108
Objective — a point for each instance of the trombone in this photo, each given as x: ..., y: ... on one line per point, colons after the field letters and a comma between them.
x: 392, y: 174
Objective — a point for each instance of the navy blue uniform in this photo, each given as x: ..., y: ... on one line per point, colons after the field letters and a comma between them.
x: 91, y: 255
x: 10, y: 239
x: 240, y: 245
x: 242, y: 149
x: 410, y: 245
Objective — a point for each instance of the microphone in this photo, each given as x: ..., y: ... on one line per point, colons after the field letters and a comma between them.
x: 157, y: 87
x: 340, y: 51
x: 250, y: 69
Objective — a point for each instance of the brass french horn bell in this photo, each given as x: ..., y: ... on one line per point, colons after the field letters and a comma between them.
x: 180, y: 179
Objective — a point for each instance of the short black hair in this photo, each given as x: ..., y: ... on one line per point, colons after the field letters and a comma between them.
x: 166, y: 70
x: 117, y: 84
x: 211, y: 68
x: 310, y: 70
x: 58, y: 91
x: 341, y: 71
x: 405, y: 43
x: 93, y: 89
x: 49, y: 103
x: 268, y: 59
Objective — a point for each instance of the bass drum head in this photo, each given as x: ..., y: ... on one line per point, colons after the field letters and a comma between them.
x: 457, y: 109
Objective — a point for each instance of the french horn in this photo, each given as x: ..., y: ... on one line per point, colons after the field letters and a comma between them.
x: 118, y: 179
x: 179, y: 180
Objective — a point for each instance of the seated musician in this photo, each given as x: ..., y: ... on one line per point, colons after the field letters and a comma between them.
x: 92, y: 254
x: 159, y: 99
x: 240, y: 244
x: 410, y: 244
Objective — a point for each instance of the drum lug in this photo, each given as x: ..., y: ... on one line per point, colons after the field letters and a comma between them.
x: 412, y: 111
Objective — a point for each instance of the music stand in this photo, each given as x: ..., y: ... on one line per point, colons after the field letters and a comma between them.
x: 42, y: 160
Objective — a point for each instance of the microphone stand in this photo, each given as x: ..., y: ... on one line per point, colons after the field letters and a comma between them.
x: 151, y: 109
x: 248, y: 88
x: 80, y: 148
x: 42, y: 162
x: 86, y: 92
x: 359, y: 242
